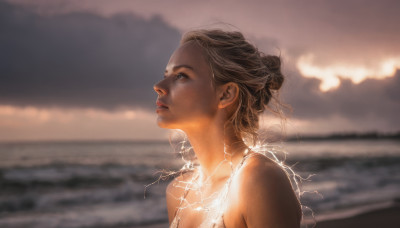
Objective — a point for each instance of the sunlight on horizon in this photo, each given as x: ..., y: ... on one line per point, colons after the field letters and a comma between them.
x: 330, y: 75
x: 33, y: 123
x: 66, y: 115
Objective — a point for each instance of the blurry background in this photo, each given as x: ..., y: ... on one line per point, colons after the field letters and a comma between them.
x: 78, y: 138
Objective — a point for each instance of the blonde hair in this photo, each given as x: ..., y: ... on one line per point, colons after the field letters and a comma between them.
x: 233, y: 59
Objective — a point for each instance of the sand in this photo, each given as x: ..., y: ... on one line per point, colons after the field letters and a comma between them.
x: 387, y: 218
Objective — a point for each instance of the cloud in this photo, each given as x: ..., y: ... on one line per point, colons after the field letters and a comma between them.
x: 86, y: 54
x: 81, y: 59
x: 356, y: 39
x: 371, y: 105
x: 330, y: 76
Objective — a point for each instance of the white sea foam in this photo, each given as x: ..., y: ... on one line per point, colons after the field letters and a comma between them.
x: 102, y: 183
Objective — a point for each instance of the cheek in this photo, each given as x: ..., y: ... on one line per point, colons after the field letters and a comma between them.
x: 196, y: 100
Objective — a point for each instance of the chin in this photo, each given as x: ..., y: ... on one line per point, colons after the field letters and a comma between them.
x: 164, y: 124
x: 161, y: 125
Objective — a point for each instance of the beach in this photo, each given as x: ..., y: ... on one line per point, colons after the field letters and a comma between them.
x: 115, y: 184
x: 387, y: 217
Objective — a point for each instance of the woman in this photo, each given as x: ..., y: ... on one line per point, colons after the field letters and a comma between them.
x: 215, y: 86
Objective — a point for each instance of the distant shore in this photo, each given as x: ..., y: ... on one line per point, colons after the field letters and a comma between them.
x: 347, y: 136
x: 278, y: 137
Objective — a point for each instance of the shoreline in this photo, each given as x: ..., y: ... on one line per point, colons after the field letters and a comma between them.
x: 387, y: 217
x: 350, y: 212
x: 384, y: 217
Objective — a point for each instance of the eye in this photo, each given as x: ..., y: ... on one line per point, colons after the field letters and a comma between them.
x: 181, y: 75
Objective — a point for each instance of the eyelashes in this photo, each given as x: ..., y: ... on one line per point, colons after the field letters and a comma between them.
x: 178, y: 76
x: 181, y: 75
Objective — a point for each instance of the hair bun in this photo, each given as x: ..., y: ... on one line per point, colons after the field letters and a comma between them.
x: 275, y: 77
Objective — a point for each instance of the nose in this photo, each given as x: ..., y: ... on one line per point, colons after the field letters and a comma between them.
x: 160, y: 90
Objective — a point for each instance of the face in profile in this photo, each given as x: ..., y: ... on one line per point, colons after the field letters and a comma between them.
x: 186, y: 96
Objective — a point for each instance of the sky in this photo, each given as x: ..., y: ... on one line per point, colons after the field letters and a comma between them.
x: 85, y: 69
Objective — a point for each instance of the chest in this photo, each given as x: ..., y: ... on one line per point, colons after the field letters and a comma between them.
x: 216, y: 208
x: 200, y: 205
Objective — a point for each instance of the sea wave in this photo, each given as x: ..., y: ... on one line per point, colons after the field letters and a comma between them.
x: 103, y: 184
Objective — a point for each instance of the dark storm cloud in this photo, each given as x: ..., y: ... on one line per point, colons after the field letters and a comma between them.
x: 81, y: 59
x: 85, y: 60
x: 372, y: 99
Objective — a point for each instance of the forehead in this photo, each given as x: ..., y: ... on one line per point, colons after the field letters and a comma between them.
x: 190, y: 54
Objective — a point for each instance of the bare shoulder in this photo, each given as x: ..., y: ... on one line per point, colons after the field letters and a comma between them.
x: 177, y: 185
x: 267, y: 198
x: 174, y: 191
x: 259, y: 169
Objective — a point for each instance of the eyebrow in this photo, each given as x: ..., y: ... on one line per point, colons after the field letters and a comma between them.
x: 181, y: 66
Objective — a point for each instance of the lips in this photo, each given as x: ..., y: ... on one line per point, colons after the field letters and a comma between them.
x: 161, y: 105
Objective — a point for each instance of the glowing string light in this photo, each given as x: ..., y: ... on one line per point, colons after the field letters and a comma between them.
x: 213, y: 205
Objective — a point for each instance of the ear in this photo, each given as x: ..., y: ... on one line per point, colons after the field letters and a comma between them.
x: 228, y: 94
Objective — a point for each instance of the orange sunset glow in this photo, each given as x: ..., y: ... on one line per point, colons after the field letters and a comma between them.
x: 330, y: 75
x: 88, y: 113
x: 64, y: 81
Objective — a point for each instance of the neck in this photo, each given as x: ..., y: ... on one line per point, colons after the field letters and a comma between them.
x: 216, y: 147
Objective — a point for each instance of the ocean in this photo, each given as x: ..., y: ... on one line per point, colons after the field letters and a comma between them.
x: 102, y: 184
